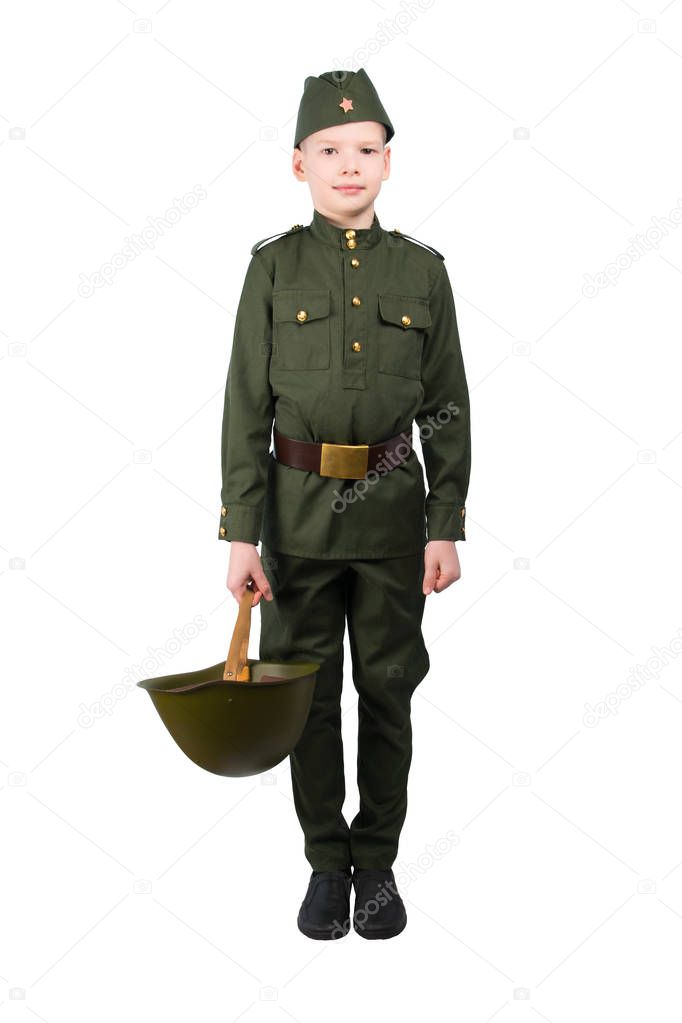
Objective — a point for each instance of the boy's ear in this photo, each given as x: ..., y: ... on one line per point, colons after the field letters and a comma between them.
x: 296, y: 166
x: 387, y: 163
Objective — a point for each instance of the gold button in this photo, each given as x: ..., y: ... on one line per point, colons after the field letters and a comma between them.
x: 301, y: 315
x: 351, y: 244
x: 223, y: 531
x: 406, y: 320
x: 355, y: 300
x: 350, y: 233
x: 462, y: 513
x: 355, y: 262
x: 357, y: 346
x: 223, y: 510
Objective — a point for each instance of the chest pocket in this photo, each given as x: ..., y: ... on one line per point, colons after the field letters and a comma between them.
x: 403, y: 321
x: 301, y: 329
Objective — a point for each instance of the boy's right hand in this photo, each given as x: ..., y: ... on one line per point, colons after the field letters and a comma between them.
x: 245, y: 566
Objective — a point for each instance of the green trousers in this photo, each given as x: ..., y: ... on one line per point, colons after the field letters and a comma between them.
x: 382, y: 601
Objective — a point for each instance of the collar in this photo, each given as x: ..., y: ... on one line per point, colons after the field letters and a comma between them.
x: 324, y: 231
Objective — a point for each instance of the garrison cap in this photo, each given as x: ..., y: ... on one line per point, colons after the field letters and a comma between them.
x: 337, y: 97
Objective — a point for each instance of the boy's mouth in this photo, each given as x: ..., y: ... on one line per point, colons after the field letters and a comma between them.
x: 349, y: 188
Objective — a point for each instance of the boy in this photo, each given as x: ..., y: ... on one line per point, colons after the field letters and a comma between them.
x: 345, y: 333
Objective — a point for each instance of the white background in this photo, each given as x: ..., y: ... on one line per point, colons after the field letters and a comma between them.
x: 533, y: 142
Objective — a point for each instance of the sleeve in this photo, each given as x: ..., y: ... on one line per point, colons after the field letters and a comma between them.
x: 248, y: 411
x: 443, y: 418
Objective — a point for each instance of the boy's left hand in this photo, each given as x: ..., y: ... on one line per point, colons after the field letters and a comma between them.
x: 441, y: 565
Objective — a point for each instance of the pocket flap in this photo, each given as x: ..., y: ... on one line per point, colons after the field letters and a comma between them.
x: 286, y: 305
x: 394, y: 307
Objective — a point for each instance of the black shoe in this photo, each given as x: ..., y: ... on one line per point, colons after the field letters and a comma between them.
x: 379, y: 911
x: 325, y: 911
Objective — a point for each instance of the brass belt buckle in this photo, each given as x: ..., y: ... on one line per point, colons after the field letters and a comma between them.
x: 344, y: 461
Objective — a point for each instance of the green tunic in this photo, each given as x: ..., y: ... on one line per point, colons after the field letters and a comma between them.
x: 374, y: 349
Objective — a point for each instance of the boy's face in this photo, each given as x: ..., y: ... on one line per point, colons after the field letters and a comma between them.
x: 343, y: 155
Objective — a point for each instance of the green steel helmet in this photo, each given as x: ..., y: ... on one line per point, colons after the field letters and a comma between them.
x: 337, y: 97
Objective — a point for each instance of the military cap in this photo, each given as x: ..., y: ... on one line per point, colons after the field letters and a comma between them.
x: 337, y: 97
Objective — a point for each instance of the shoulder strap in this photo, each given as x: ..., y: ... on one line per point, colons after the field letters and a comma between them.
x: 296, y: 227
x: 400, y: 234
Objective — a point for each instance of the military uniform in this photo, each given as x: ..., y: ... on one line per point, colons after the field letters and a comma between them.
x: 345, y: 337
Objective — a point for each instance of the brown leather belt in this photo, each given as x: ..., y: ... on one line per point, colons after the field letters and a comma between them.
x: 344, y: 461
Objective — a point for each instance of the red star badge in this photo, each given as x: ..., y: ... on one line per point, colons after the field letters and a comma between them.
x: 347, y: 104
